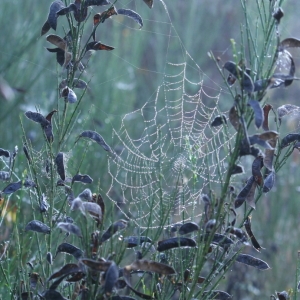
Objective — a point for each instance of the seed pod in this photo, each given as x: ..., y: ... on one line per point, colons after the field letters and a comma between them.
x: 37, y: 226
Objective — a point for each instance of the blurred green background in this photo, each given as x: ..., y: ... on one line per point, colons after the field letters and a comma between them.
x: 122, y: 80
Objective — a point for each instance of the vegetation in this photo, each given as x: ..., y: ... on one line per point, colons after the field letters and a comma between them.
x: 165, y: 214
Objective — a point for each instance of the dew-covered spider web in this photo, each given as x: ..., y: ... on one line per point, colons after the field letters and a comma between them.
x: 174, y: 154
x: 168, y: 154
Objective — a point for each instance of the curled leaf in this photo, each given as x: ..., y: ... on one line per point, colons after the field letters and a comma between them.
x: 97, y: 265
x: 252, y: 261
x: 69, y: 95
x: 57, y: 41
x: 234, y: 118
x: 52, y: 16
x: 241, y: 197
x: 37, y: 117
x: 65, y: 270
x: 254, y: 242
x: 82, y: 178
x: 66, y: 10
x: 4, y: 175
x: 12, y: 187
x: 46, y: 27
x: 149, y: 3
x: 98, y: 46
x: 111, y: 277
x: 37, y: 226
x: 290, y: 138
x: 256, y: 167
x: 77, y: 83
x: 188, y: 228
x: 290, y: 43
x: 131, y: 14
x: 59, y: 161
x: 175, y: 242
x: 237, y: 169
x: 151, y: 266
x: 86, y: 195
x: 70, y: 228
x: 69, y: 249
x: 266, y: 110
x: 245, y: 80
x: 269, y: 182
x: 258, y: 112
x: 4, y: 153
x: 218, y: 121
x: 97, y: 138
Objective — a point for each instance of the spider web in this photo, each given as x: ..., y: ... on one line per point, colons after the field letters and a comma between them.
x: 162, y: 171
x: 168, y: 152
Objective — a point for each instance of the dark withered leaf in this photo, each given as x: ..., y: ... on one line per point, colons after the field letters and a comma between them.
x: 57, y: 41
x: 254, y: 242
x: 100, y: 266
x: 234, y: 118
x: 149, y: 3
x: 53, y: 295
x: 287, y: 109
x: 50, y: 115
x: 250, y: 197
x: 118, y: 225
x: 95, y: 136
x: 255, y: 139
x: 12, y: 187
x: 69, y: 95
x: 98, y: 46
x: 218, y: 121
x: 49, y: 258
x: 59, y: 161
x: 283, y: 295
x: 252, y: 261
x: 175, y: 242
x: 4, y: 175
x: 72, y: 7
x: 28, y: 183
x: 290, y: 43
x: 66, y: 270
x: 237, y: 169
x: 266, y: 110
x: 133, y: 241
x: 101, y: 17
x: 70, y: 228
x: 245, y: 80
x: 218, y: 295
x: 256, y: 167
x: 151, y: 266
x: 4, y: 153
x: 34, y: 277
x: 48, y: 132
x: 36, y: 117
x: 46, y: 27
x: 188, y: 228
x: 258, y: 112
x: 290, y: 138
x: 252, y: 151
x: 81, y: 12
x: 99, y: 200
x: 269, y: 182
x: 131, y: 14
x: 69, y: 249
x: 82, y: 178
x: 25, y: 150
x: 111, y: 277
x: 37, y: 226
x: 241, y: 197
x: 54, y: 8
